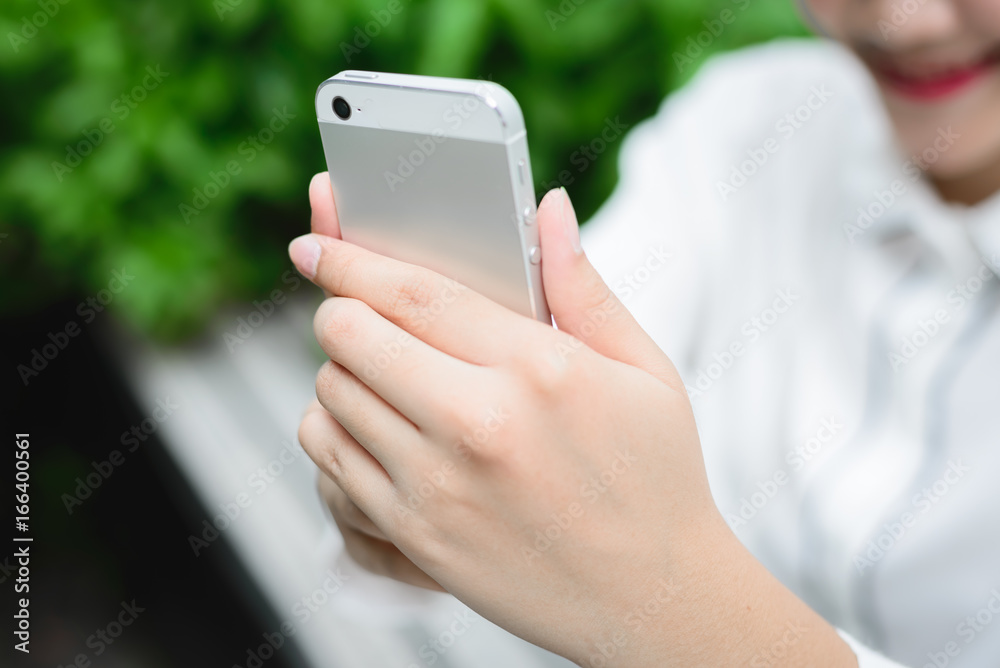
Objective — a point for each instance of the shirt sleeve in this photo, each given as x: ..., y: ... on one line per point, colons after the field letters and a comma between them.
x: 867, y: 657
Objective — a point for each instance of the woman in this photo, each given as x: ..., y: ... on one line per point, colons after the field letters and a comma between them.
x: 810, y: 232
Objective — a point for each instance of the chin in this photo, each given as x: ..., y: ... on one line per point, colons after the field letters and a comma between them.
x: 972, y: 125
x: 954, y: 167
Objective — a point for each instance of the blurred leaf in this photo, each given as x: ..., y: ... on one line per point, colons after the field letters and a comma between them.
x: 455, y: 36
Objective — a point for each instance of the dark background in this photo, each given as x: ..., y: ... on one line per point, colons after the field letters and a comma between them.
x: 127, y: 541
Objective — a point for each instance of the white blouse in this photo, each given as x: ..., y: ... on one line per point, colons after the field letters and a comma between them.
x: 837, y: 327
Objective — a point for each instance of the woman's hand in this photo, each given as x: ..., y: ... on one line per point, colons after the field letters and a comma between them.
x: 551, y: 479
x: 364, y: 541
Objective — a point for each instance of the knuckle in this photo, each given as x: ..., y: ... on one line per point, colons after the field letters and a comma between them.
x: 601, y: 295
x: 551, y: 372
x: 336, y: 321
x: 344, y: 257
x: 412, y: 298
x: 330, y: 462
x: 345, y: 512
x: 320, y: 444
x: 307, y: 429
x: 329, y: 383
x: 595, y: 317
x: 455, y: 414
x: 485, y: 438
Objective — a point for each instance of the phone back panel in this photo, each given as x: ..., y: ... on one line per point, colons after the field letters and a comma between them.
x: 435, y: 198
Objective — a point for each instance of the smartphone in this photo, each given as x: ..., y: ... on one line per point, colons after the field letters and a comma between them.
x: 435, y: 172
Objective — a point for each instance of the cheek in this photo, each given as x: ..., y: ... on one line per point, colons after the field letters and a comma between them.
x: 829, y: 15
x: 985, y: 16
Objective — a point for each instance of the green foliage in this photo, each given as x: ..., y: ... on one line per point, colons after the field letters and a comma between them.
x: 222, y: 70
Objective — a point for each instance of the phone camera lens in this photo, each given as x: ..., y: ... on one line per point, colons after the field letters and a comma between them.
x: 341, y: 108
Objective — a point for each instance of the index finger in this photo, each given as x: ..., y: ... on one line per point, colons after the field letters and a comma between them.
x: 437, y: 310
x: 324, y: 209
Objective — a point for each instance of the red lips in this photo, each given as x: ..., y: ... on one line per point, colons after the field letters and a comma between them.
x: 936, y: 86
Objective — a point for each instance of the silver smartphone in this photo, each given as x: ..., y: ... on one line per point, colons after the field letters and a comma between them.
x: 435, y: 172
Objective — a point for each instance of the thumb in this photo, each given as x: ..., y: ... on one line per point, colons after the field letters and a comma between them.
x: 582, y: 303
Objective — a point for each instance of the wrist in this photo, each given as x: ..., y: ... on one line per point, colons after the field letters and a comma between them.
x: 710, y: 603
x: 658, y: 602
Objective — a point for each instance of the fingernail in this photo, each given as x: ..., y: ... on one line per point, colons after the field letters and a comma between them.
x: 570, y: 223
x: 316, y: 177
x: 305, y: 252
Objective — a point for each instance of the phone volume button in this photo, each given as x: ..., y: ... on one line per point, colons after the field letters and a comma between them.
x: 528, y: 215
x: 535, y: 255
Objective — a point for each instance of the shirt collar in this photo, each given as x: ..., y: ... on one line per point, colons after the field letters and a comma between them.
x: 964, y: 237
x: 984, y: 229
